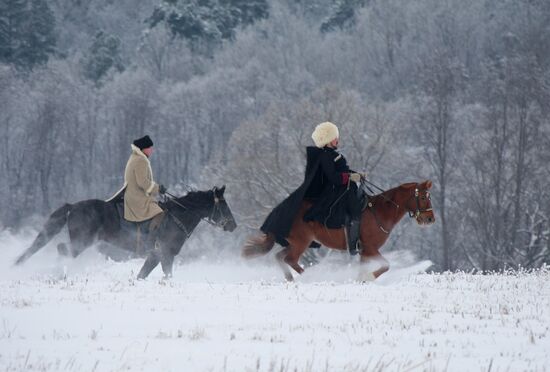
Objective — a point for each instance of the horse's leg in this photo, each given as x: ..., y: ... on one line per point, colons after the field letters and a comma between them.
x: 166, y: 260
x: 281, y: 261
x: 113, y: 251
x: 152, y: 260
x: 294, y: 255
x: 83, y: 226
x: 384, y: 266
x: 366, y: 268
x: 63, y: 250
x: 79, y: 240
x: 290, y: 257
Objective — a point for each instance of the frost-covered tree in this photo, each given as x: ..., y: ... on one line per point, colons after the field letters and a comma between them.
x: 12, y: 18
x: 27, y: 32
x: 168, y: 58
x: 455, y: 91
x: 40, y: 38
x: 342, y: 14
x: 206, y: 23
x: 102, y: 57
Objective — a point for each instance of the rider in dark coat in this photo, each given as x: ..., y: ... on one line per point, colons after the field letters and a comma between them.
x: 330, y: 184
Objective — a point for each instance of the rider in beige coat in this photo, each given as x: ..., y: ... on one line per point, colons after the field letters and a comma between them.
x: 139, y: 193
x: 139, y: 201
x: 140, y: 188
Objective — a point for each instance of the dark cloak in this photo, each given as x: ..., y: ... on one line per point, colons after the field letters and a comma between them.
x: 323, y: 185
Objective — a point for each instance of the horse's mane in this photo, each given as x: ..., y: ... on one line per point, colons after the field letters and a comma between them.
x: 386, y: 195
x: 195, y: 199
x: 390, y: 194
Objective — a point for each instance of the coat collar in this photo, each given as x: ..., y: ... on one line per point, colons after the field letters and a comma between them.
x: 138, y: 152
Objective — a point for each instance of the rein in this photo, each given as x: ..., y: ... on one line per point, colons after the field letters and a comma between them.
x: 365, y: 183
x: 413, y: 213
x: 209, y: 219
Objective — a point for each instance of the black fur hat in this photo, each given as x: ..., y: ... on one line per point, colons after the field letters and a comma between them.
x: 143, y: 142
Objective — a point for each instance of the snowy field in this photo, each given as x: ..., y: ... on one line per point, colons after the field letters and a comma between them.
x: 91, y: 315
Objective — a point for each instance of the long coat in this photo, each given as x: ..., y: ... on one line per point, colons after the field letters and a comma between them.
x: 326, y: 183
x: 139, y: 188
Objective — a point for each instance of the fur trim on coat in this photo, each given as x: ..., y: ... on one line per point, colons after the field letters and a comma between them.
x: 139, y: 202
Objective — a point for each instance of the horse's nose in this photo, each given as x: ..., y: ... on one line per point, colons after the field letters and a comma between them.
x: 431, y: 220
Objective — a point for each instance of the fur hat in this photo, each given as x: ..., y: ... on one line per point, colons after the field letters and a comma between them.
x: 143, y: 142
x: 325, y: 133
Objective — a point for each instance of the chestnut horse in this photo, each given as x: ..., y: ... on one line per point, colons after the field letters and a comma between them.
x: 380, y: 215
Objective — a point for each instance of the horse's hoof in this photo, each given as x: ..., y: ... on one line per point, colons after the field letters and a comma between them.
x: 141, y: 277
x: 62, y: 249
x: 367, y: 277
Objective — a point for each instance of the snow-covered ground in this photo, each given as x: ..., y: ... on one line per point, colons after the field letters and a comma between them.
x: 92, y: 315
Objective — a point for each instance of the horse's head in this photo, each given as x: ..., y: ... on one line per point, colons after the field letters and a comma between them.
x: 419, y: 204
x: 221, y: 214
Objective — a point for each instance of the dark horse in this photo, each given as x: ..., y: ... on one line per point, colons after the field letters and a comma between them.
x: 380, y: 214
x: 94, y: 220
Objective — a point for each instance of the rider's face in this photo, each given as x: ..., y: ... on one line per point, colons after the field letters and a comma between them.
x: 148, y: 151
x: 334, y: 143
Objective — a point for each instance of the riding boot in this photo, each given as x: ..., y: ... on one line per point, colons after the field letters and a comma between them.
x: 353, y: 220
x: 352, y: 232
x: 154, y: 230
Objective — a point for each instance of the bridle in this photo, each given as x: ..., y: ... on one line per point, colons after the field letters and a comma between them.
x: 413, y: 212
x: 417, y: 211
x: 222, y: 222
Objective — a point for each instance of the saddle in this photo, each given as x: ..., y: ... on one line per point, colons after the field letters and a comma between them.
x: 137, y: 233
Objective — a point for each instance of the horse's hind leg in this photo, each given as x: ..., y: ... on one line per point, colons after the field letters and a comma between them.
x: 296, y: 249
x: 290, y: 257
x: 63, y: 250
x: 292, y: 260
x: 76, y: 246
x: 281, y: 261
x: 82, y: 234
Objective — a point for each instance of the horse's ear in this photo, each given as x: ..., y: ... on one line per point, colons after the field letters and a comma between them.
x: 222, y: 190
x: 428, y: 184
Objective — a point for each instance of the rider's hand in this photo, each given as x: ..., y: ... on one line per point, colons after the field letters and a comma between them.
x: 162, y: 189
x: 355, y: 177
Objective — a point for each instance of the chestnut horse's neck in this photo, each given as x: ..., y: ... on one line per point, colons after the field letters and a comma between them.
x: 390, y: 206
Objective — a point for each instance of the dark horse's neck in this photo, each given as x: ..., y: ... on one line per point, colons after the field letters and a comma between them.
x: 191, y: 209
x: 199, y: 202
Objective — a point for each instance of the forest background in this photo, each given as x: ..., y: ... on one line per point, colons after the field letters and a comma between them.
x: 456, y: 91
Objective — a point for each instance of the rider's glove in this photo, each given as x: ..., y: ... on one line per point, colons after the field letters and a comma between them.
x: 162, y: 189
x: 355, y: 177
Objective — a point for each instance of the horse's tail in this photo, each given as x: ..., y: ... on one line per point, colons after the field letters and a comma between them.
x: 53, y: 226
x: 258, y: 246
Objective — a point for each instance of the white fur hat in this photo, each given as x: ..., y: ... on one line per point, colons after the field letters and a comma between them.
x: 325, y: 133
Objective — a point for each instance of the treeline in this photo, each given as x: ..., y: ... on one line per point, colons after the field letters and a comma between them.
x: 454, y: 91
